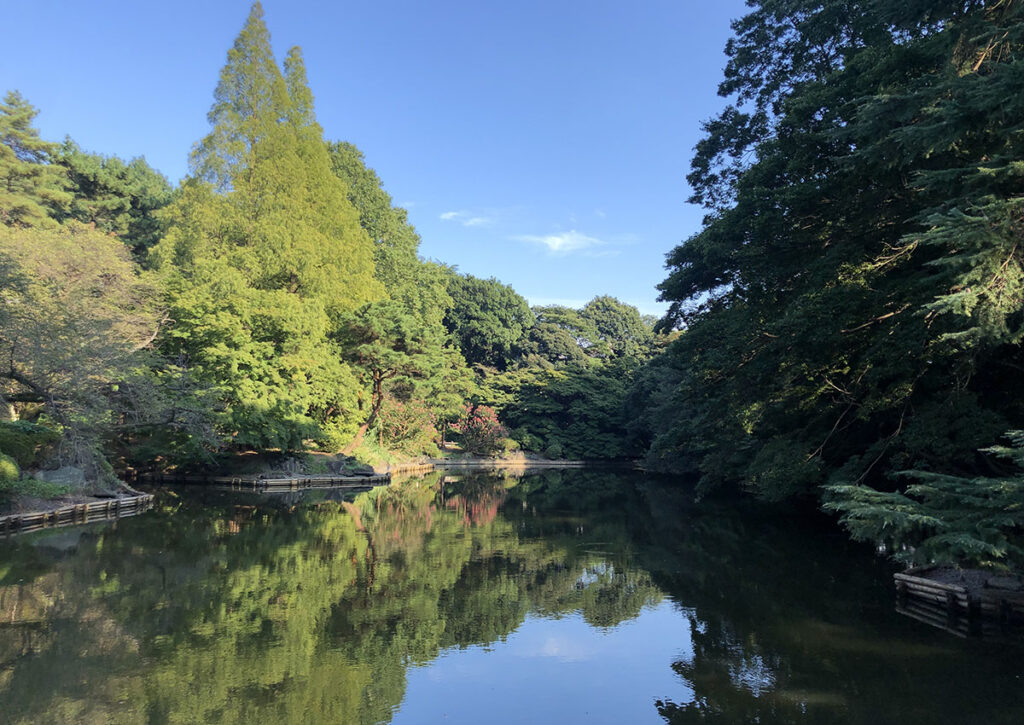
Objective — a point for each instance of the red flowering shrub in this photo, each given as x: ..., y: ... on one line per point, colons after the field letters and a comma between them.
x: 480, y: 430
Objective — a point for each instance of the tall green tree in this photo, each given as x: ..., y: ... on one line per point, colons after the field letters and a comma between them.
x: 620, y: 328
x: 265, y: 255
x: 32, y: 187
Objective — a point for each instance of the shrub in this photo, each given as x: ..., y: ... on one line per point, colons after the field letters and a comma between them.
x: 554, y: 451
x: 9, y: 473
x: 407, y: 427
x: 26, y: 442
x: 481, y: 432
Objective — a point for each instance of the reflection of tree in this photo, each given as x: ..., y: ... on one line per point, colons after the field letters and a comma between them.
x: 791, y: 623
x: 269, y: 610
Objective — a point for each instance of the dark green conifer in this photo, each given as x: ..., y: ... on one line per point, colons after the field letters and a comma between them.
x: 32, y: 188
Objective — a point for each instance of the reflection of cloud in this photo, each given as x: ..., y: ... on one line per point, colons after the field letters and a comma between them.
x: 564, y: 649
x: 466, y: 219
x: 563, y: 243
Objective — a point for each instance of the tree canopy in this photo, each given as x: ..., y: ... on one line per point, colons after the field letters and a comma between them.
x: 489, y: 319
x: 853, y: 303
x: 31, y: 188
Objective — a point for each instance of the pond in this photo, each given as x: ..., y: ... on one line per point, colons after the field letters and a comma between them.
x: 564, y: 597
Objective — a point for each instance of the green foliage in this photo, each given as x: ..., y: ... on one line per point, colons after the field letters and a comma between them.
x: 421, y: 287
x: 554, y: 451
x: 263, y: 265
x: 407, y: 427
x: 9, y: 473
x: 34, y: 488
x: 391, y: 349
x: 32, y: 188
x: 620, y: 329
x: 117, y: 197
x: 76, y: 314
x: 943, y: 518
x: 832, y: 335
x: 563, y: 336
x: 489, y: 320
x: 579, y: 410
x: 25, y: 442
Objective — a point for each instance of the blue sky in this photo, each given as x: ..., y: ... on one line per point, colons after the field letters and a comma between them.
x: 543, y: 143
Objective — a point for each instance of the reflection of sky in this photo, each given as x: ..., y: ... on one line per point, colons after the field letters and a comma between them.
x: 557, y: 670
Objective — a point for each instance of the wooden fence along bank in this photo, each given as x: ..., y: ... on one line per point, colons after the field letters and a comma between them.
x: 294, y: 483
x: 81, y: 513
x: 977, y: 605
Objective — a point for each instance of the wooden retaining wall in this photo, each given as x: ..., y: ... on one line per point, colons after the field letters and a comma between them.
x: 81, y: 513
x: 509, y: 463
x: 927, y: 599
x: 257, y: 483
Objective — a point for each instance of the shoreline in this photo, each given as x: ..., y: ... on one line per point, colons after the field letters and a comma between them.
x: 99, y: 509
x: 93, y: 508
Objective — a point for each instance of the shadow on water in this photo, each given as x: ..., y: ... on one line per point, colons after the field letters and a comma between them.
x: 316, y: 606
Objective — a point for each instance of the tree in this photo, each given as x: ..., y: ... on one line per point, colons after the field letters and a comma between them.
x: 619, y: 327
x: 943, y: 518
x: 74, y: 316
x: 578, y: 411
x: 562, y: 336
x: 488, y: 319
x: 32, y: 188
x: 119, y: 198
x: 838, y: 336
x: 389, y: 346
x: 420, y: 286
x: 264, y: 257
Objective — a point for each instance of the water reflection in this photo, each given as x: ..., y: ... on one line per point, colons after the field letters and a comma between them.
x: 568, y: 596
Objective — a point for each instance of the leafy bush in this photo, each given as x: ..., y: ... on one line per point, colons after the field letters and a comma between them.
x: 9, y: 473
x: 555, y: 451
x: 37, y: 489
x: 407, y: 427
x: 943, y: 518
x: 27, y: 443
x: 480, y: 431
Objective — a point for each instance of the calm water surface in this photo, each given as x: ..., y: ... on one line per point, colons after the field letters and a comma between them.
x: 557, y: 598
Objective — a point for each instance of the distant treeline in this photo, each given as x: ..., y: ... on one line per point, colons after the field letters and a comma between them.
x: 845, y: 329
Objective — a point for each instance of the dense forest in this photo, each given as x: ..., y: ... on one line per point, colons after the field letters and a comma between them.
x: 845, y: 329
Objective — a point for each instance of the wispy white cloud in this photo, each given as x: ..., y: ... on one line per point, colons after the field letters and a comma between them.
x: 466, y: 219
x: 563, y: 243
x: 600, y: 213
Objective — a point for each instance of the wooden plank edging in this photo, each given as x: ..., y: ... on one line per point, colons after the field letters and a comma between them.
x: 75, y: 514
